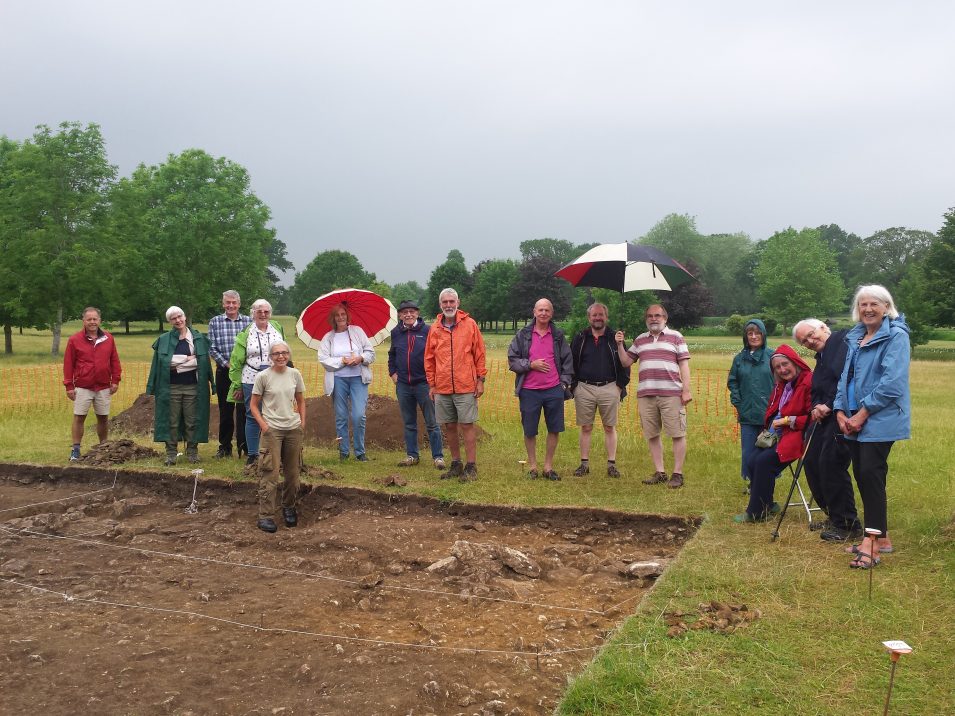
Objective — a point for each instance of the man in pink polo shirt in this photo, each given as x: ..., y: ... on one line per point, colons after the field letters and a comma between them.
x: 541, y: 358
x: 663, y: 390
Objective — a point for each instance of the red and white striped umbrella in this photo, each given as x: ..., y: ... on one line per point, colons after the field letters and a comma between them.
x: 374, y: 314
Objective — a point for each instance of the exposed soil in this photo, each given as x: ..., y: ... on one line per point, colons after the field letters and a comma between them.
x: 384, y: 427
x: 396, y: 604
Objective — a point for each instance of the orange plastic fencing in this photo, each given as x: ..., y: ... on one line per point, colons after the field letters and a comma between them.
x: 30, y: 389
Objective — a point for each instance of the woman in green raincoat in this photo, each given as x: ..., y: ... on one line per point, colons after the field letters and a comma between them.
x: 181, y: 379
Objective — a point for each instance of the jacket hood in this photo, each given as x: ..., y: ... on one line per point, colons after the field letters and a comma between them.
x: 762, y: 329
x: 885, y: 330
x: 785, y: 350
x: 900, y: 323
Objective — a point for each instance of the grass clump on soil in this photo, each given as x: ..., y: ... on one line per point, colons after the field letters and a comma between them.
x: 816, y: 647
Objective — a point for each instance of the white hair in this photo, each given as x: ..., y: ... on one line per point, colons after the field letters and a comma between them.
x: 280, y: 343
x: 880, y: 294
x: 448, y: 292
x: 172, y: 311
x: 811, y: 323
x: 261, y: 303
x: 231, y: 294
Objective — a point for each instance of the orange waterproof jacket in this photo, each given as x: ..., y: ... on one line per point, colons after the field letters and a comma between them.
x: 454, y: 357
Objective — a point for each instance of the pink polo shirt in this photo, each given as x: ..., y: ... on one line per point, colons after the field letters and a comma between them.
x: 542, y: 346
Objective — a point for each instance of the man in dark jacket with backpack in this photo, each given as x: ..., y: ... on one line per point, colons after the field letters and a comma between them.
x: 406, y: 368
x: 600, y: 383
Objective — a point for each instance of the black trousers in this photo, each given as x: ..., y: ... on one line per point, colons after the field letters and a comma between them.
x: 827, y: 472
x: 231, y: 415
x: 870, y: 465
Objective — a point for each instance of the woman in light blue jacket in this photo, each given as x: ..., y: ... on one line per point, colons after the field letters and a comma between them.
x: 873, y: 408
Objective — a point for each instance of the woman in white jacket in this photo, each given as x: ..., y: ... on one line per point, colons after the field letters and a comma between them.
x: 346, y: 354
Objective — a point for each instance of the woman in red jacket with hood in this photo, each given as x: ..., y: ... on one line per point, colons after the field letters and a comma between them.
x: 787, y: 416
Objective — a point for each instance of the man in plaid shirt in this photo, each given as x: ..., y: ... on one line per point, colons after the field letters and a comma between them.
x: 222, y: 332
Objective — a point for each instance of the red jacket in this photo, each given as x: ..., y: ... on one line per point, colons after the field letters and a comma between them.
x: 789, y: 447
x: 91, y: 365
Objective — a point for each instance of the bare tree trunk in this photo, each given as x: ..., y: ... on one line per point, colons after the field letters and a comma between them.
x: 57, y: 329
x: 160, y: 325
x: 127, y: 326
x: 8, y: 338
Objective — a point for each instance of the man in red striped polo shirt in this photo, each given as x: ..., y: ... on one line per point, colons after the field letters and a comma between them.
x: 663, y: 390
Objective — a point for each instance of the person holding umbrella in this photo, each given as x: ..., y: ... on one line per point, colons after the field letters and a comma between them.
x: 346, y: 354
x: 406, y: 368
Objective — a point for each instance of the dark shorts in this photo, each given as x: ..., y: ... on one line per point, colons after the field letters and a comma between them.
x: 551, y: 401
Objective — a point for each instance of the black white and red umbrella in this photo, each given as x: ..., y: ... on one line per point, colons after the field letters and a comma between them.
x: 626, y: 267
x: 374, y: 314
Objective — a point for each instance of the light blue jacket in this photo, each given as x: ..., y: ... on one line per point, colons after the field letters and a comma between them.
x: 881, y: 381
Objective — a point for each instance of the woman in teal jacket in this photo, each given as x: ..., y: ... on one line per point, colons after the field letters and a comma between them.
x: 873, y: 407
x: 750, y: 383
x: 181, y: 379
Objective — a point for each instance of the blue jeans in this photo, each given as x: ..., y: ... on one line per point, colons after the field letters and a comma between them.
x: 410, y: 398
x: 747, y: 439
x: 345, y: 388
x: 252, y: 430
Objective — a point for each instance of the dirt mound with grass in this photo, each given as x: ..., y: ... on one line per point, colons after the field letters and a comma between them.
x: 384, y: 426
x: 116, y: 452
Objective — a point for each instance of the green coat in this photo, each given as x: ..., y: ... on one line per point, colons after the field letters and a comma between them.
x: 750, y: 380
x: 158, y: 385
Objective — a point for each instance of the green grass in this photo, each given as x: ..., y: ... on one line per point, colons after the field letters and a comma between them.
x: 816, y: 648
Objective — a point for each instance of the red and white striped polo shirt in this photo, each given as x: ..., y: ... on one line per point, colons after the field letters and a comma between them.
x: 659, y: 358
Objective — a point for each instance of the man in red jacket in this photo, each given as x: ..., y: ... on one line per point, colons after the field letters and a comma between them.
x: 91, y: 374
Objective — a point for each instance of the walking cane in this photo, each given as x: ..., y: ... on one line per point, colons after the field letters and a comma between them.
x: 792, y: 489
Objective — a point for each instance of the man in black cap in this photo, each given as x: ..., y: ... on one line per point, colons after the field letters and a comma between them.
x: 406, y: 368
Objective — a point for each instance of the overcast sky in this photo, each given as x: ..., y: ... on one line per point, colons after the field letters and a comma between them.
x: 399, y: 130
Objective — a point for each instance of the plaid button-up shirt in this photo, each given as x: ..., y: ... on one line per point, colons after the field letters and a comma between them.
x: 222, y: 334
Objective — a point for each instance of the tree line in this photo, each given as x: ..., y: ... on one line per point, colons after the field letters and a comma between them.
x: 73, y: 234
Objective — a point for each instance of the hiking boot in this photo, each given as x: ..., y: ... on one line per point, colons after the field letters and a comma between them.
x: 74, y: 454
x: 439, y: 463
x: 582, y: 470
x: 551, y: 475
x: 192, y: 454
x: 361, y: 458
x: 655, y: 479
x: 267, y: 525
x: 456, y: 470
x: 676, y: 481
x: 469, y: 474
x: 251, y: 459
x: 409, y: 461
x: 223, y: 452
x: 612, y: 471
x: 290, y: 516
x: 171, y: 456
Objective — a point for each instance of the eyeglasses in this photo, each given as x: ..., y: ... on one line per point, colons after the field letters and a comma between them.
x: 655, y: 315
x: 276, y: 354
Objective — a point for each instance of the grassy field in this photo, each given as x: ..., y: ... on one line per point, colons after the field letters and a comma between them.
x: 816, y: 648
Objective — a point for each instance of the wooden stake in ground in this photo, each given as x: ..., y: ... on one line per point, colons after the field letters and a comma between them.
x: 895, y: 649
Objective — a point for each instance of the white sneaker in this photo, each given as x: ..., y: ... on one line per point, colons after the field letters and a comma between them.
x: 439, y: 463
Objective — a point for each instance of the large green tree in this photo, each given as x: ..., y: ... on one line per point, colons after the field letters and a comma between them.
x: 10, y: 279
x: 329, y: 270
x: 797, y: 276
x: 939, y: 274
x: 491, y: 299
x: 887, y: 256
x: 54, y: 204
x: 450, y: 274
x: 190, y: 227
x: 846, y: 248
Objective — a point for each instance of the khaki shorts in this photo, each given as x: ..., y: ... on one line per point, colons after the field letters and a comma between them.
x: 588, y: 399
x: 662, y: 411
x: 99, y: 399
x: 456, y: 408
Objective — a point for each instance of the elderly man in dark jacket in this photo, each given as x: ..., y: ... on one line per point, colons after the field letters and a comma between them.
x: 827, y: 460
x: 406, y: 368
x: 541, y: 358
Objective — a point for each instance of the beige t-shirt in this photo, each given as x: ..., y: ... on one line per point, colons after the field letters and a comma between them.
x: 278, y: 397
